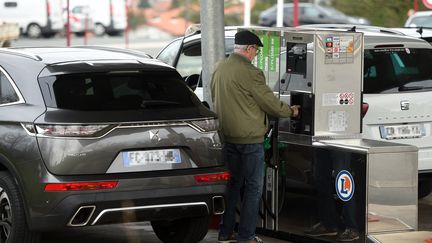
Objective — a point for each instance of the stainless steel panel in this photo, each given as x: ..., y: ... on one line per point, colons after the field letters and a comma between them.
x: 392, y: 192
x: 391, y: 182
x: 371, y: 146
x: 344, y: 76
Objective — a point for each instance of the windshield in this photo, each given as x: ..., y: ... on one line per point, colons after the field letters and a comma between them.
x: 397, y: 70
x: 121, y: 91
x: 331, y: 11
x: 424, y: 21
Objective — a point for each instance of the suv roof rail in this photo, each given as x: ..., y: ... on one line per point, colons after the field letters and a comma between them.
x: 369, y: 28
x: 419, y: 29
x: 114, y: 49
x: 18, y: 51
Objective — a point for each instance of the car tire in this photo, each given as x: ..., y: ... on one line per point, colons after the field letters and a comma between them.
x: 115, y: 33
x: 424, y: 188
x: 188, y: 230
x: 13, y: 225
x: 34, y: 31
x: 79, y: 34
x: 99, y: 29
x: 49, y: 35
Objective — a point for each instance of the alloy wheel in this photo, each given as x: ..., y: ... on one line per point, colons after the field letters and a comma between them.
x: 5, y: 216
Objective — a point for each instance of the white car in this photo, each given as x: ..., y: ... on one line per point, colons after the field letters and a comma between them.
x: 80, y: 20
x: 36, y: 18
x: 109, y: 16
x: 420, y: 18
x: 397, y: 88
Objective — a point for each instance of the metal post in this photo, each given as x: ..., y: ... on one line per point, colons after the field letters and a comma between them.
x: 279, y: 13
x: 212, y: 41
x: 247, y: 13
x: 127, y: 25
x: 86, y: 29
x: 68, y: 39
x: 187, y: 14
x: 296, y: 13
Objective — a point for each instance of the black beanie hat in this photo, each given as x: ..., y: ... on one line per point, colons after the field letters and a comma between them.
x: 246, y: 37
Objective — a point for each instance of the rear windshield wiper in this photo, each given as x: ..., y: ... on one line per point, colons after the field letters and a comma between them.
x: 155, y: 103
x: 409, y: 88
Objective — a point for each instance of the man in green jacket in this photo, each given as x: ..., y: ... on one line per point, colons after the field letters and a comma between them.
x: 242, y: 99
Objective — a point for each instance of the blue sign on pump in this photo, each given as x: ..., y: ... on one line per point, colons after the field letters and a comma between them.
x: 344, y: 185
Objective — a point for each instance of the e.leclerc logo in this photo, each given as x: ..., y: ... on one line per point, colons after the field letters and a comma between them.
x: 344, y: 185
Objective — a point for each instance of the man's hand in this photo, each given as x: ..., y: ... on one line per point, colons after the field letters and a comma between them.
x: 296, y: 110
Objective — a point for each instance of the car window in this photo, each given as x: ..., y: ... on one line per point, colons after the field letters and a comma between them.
x: 121, y: 91
x: 169, y: 54
x: 425, y: 21
x: 77, y: 10
x: 7, y: 92
x: 330, y: 12
x: 311, y: 12
x: 287, y: 11
x: 397, y: 70
x: 190, y: 60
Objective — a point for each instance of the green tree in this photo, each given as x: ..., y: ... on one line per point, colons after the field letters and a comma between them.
x: 259, y: 7
x: 381, y: 13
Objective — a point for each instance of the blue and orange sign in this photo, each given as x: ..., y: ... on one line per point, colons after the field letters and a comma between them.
x: 344, y: 185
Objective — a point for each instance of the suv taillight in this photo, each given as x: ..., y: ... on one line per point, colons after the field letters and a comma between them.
x: 224, y: 176
x: 80, y: 186
x: 364, y: 109
x: 70, y: 130
x: 207, y: 125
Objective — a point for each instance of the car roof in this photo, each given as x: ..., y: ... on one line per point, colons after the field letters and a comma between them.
x: 345, y: 27
x: 374, y: 35
x: 426, y: 33
x: 422, y: 13
x: 230, y: 31
x: 55, y: 55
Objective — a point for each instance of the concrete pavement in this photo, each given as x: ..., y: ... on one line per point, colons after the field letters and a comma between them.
x: 121, y: 233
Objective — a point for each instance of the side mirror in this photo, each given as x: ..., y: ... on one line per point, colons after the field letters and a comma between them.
x: 192, y: 81
x: 206, y: 104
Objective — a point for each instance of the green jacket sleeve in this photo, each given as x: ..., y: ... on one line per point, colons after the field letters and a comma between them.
x: 265, y: 97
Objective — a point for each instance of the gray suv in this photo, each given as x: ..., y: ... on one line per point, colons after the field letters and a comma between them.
x: 92, y: 136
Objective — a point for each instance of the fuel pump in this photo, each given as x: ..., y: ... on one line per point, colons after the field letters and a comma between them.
x: 323, y: 181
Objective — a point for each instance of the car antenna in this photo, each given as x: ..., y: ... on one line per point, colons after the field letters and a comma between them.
x: 353, y: 29
x: 420, y: 31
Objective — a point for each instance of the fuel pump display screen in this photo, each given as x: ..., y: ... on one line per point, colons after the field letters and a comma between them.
x: 296, y: 58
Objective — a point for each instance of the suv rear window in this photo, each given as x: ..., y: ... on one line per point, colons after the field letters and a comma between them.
x: 121, y: 91
x: 397, y: 70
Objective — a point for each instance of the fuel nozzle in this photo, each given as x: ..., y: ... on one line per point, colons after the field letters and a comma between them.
x: 269, y: 133
x: 267, y: 139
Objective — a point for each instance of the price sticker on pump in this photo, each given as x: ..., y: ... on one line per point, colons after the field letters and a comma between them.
x: 337, y: 99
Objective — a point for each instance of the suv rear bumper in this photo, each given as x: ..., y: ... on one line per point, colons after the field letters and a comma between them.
x: 121, y: 207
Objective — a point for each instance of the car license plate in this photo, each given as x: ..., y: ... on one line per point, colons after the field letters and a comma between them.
x: 160, y: 156
x: 402, y: 131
